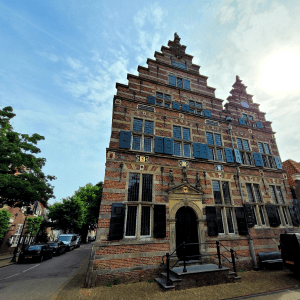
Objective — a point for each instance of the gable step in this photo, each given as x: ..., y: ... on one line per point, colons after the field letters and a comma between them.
x: 172, y: 277
x: 163, y: 283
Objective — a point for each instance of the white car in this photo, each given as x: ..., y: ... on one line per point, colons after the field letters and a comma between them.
x: 69, y: 240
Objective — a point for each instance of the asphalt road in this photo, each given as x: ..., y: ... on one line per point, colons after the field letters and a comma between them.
x: 35, y: 280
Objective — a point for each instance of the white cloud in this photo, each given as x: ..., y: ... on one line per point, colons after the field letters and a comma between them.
x: 227, y: 14
x: 50, y: 56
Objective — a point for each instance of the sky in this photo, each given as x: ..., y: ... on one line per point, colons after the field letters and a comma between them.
x: 60, y: 61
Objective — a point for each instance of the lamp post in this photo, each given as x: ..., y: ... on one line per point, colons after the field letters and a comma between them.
x: 14, y: 258
x: 250, y: 240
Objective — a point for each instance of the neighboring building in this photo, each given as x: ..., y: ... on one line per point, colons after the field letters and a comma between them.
x: 171, y: 173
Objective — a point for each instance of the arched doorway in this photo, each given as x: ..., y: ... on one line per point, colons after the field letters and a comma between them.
x: 186, y: 231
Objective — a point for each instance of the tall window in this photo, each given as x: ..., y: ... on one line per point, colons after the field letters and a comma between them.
x: 224, y: 212
x: 215, y: 150
x: 257, y: 206
x: 265, y: 151
x: 182, y: 141
x: 195, y: 107
x: 17, y: 235
x: 138, y: 217
x: 142, y: 139
x: 243, y: 146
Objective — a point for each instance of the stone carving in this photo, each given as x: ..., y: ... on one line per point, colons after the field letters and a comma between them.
x: 184, y: 172
x: 171, y: 179
x: 198, y: 181
x: 186, y: 201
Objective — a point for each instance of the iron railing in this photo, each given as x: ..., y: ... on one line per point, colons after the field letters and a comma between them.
x: 184, y: 258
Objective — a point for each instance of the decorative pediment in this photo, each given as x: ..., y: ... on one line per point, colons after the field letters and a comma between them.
x: 184, y: 189
x: 176, y: 48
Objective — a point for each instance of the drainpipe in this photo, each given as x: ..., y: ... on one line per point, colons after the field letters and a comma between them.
x: 250, y: 240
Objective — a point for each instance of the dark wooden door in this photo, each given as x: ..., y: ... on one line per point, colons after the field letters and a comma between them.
x: 186, y: 231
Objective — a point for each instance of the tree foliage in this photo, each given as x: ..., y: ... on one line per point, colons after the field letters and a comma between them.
x: 79, y: 212
x: 22, y: 181
x: 4, y: 222
x: 33, y: 225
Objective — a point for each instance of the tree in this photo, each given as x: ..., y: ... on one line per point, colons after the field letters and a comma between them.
x: 22, y: 181
x: 33, y: 225
x: 4, y: 222
x: 68, y: 215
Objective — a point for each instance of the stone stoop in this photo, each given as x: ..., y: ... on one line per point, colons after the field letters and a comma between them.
x: 196, y: 276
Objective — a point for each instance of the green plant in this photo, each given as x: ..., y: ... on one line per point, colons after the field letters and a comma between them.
x: 116, y: 281
x: 150, y: 280
x: 109, y: 285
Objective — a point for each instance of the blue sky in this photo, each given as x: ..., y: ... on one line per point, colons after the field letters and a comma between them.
x: 60, y: 61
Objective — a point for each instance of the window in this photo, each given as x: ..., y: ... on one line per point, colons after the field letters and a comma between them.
x: 268, y: 159
x: 182, y: 147
x: 17, y: 235
x: 215, y: 149
x: 179, y: 82
x: 138, y: 217
x: 195, y: 107
x: 222, y: 199
x: 163, y: 99
x: 243, y: 146
x: 278, y: 200
x: 245, y: 116
x: 142, y: 138
x: 178, y: 65
x: 257, y: 207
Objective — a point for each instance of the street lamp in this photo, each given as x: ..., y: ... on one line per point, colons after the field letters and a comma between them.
x: 250, y: 240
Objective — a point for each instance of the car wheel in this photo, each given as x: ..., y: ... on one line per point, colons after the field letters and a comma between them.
x: 41, y: 258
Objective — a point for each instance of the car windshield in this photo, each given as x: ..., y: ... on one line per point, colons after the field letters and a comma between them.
x: 65, y: 238
x: 53, y: 244
x: 35, y: 247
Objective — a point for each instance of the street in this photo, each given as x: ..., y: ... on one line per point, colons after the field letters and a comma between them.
x: 35, y: 280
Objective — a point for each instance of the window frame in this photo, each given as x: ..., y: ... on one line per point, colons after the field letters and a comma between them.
x: 182, y: 80
x: 214, y: 147
x: 163, y: 100
x: 267, y: 158
x: 142, y: 135
x: 245, y: 154
x: 182, y: 141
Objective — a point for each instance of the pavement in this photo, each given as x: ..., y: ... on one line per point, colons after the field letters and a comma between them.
x: 5, y: 260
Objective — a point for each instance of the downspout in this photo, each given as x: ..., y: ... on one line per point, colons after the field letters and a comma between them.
x: 250, y: 240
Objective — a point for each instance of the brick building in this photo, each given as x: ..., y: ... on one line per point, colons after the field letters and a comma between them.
x: 173, y: 172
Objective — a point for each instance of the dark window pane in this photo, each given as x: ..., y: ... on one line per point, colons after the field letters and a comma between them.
x: 191, y: 103
x: 279, y: 194
x: 147, y: 188
x: 186, y: 150
x: 209, y: 137
x: 257, y: 193
x: 167, y: 97
x: 262, y: 216
x: 175, y: 63
x: 226, y: 193
x: 278, y: 215
x: 137, y: 125
x: 136, y: 143
x: 176, y: 132
x: 249, y: 159
x: 159, y: 95
x: 254, y: 215
x: 131, y: 221
x: 148, y: 144
x: 239, y: 143
x: 267, y: 148
x: 249, y: 192
x: 182, y: 66
x: 246, y: 145
x: 220, y: 220
x: 229, y: 220
x: 244, y: 116
x: 167, y: 104
x: 198, y: 105
x: 217, y: 192
x: 273, y: 193
x: 265, y: 160
x: 191, y: 110
x: 177, y: 149
x: 211, y: 154
x: 285, y: 216
x: 133, y: 187
x: 250, y: 118
x: 148, y: 127
x: 145, y: 220
x: 261, y: 148
x: 179, y: 82
x: 160, y: 103
x: 219, y: 155
x: 186, y: 134
x: 244, y: 159
x: 218, y: 141
x: 271, y: 163
x: 199, y: 112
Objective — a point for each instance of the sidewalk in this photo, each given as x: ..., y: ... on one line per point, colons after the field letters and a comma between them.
x: 5, y: 260
x: 252, y: 284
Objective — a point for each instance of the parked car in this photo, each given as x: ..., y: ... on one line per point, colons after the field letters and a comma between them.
x: 36, y: 252
x: 78, y: 241
x: 58, y: 247
x: 290, y: 251
x: 69, y: 240
x: 91, y: 239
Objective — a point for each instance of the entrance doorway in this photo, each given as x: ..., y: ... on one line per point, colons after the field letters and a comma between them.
x: 187, y: 231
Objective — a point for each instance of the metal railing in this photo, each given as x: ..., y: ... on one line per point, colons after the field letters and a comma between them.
x: 184, y: 258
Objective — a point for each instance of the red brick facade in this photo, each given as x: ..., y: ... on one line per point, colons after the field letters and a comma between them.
x: 185, y: 179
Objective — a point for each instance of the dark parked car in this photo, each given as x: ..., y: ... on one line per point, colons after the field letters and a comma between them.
x: 58, y: 247
x: 36, y: 252
x: 290, y: 251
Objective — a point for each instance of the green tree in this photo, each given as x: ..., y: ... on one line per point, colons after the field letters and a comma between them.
x: 4, y: 222
x: 68, y: 215
x: 22, y: 181
x: 33, y: 225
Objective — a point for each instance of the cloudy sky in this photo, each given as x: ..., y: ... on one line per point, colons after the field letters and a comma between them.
x: 60, y: 61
